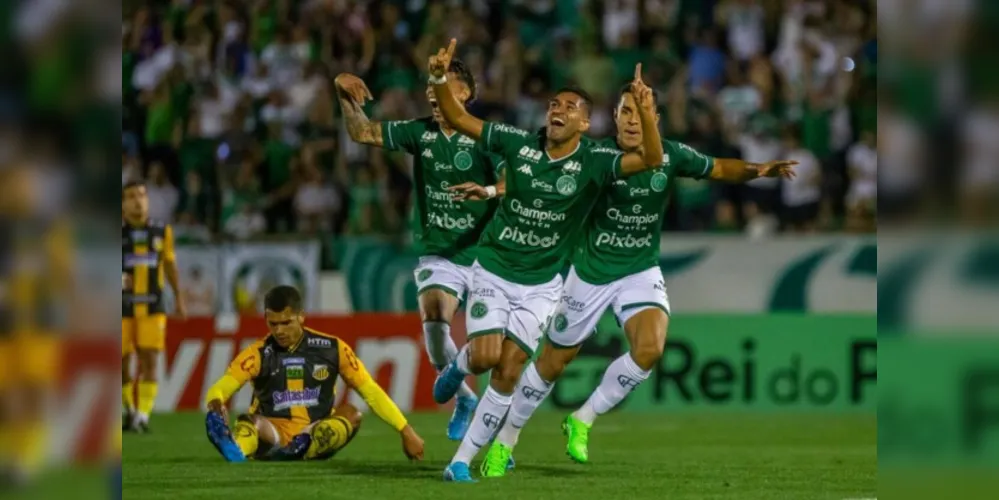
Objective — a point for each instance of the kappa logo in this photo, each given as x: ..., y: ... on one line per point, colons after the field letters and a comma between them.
x: 572, y: 167
x: 427, y: 154
x: 526, y: 170
x: 529, y: 153
x: 320, y: 372
x: 319, y: 342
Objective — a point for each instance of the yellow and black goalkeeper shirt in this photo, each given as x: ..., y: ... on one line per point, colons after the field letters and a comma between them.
x: 144, y: 251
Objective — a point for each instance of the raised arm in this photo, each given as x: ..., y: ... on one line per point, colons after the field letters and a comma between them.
x: 352, y: 92
x: 452, y: 110
x: 652, y: 145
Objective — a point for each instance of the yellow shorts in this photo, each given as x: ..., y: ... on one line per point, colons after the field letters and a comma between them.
x: 148, y: 332
x: 30, y: 359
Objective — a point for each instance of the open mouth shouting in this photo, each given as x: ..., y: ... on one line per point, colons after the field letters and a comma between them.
x: 556, y: 123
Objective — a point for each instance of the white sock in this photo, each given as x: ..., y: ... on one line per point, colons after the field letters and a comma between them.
x: 462, y: 359
x: 441, y: 349
x: 527, y: 397
x: 488, y: 415
x: 621, y: 377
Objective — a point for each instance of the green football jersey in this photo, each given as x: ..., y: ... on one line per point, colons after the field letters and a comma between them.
x: 622, y: 234
x: 541, y: 217
x: 442, y: 226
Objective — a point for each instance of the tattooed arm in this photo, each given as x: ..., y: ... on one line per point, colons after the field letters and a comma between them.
x: 352, y: 92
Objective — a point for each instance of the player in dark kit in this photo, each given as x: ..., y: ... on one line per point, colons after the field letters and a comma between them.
x: 293, y: 371
x: 147, y: 262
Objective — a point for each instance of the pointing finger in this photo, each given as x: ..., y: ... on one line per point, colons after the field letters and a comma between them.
x: 638, y: 72
x: 450, y: 48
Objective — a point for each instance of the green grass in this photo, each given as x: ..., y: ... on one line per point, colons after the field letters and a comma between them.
x: 632, y: 455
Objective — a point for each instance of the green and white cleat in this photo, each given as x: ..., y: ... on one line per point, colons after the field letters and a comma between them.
x: 577, y: 435
x: 497, y: 460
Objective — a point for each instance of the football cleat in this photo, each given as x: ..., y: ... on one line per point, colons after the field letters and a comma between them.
x: 448, y: 383
x: 220, y: 437
x: 577, y: 436
x: 294, y: 450
x: 499, y: 459
x: 464, y: 407
x: 458, y: 473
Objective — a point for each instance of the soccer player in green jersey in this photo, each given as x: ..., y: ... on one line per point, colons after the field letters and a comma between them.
x: 444, y: 230
x: 551, y: 183
x: 616, y: 265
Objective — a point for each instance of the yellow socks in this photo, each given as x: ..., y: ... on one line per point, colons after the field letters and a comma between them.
x: 128, y: 396
x: 245, y: 435
x: 30, y: 442
x: 147, y: 398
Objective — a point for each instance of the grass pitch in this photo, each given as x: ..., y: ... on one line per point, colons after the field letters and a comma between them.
x: 632, y: 456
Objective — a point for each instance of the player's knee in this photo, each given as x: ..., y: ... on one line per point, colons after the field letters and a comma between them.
x: 351, y: 413
x: 435, y: 306
x: 485, y: 354
x: 647, y: 354
x: 552, y: 363
x: 147, y: 364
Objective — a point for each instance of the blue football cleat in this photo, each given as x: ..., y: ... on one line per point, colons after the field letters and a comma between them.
x: 464, y: 407
x: 221, y: 438
x: 294, y: 450
x: 511, y: 464
x: 448, y: 383
x: 458, y: 473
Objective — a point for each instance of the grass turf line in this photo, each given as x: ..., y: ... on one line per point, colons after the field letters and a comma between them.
x: 679, y: 457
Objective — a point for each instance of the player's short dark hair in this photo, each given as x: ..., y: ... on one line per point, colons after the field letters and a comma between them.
x: 281, y: 297
x: 458, y: 67
x: 627, y: 89
x: 584, y: 95
x: 132, y: 184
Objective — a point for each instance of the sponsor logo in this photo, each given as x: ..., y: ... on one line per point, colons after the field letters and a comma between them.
x: 560, y: 323
x: 463, y: 160
x: 446, y: 221
x: 484, y: 292
x: 627, y: 241
x: 442, y: 196
x: 532, y: 393
x: 629, y: 384
x: 293, y: 361
x: 526, y: 170
x: 139, y: 237
x: 502, y: 127
x: 479, y: 310
x: 536, y: 214
x: 428, y: 137
x: 319, y: 342
x: 464, y: 139
x: 289, y: 399
x: 566, y: 185
x: 638, y: 219
x: 427, y: 154
x: 605, y: 150
x: 658, y: 182
x: 542, y: 185
x: 320, y: 372
x: 573, y: 304
x: 442, y: 167
x: 572, y: 167
x: 665, y: 158
x: 296, y: 372
x: 528, y: 238
x: 132, y: 260
x: 621, y: 183
x: 529, y: 154
x: 637, y: 191
x: 424, y: 274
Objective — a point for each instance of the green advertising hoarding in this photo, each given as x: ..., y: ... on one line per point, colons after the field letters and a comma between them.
x: 740, y: 362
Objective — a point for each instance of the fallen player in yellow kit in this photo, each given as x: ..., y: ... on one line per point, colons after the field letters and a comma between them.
x: 293, y: 372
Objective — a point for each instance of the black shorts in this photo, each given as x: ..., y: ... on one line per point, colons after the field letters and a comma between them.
x: 800, y: 214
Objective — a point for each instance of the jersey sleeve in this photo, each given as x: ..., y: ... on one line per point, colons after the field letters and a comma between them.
x: 501, y: 138
x: 169, y: 253
x: 689, y: 162
x: 603, y: 164
x: 352, y: 370
x: 402, y: 135
x: 246, y: 366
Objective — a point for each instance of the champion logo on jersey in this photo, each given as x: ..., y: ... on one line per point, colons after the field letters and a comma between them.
x: 526, y: 170
x: 464, y: 139
x: 427, y: 153
x: 529, y: 153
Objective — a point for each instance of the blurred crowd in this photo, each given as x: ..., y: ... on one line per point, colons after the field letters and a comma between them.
x: 230, y: 115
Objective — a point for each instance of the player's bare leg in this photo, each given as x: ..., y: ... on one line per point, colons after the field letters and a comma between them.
x: 148, y: 361
x: 437, y: 308
x: 494, y: 404
x: 646, y: 332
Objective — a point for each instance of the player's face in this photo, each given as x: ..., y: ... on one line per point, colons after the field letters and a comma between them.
x: 629, y: 125
x: 285, y: 326
x: 567, y: 117
x: 458, y: 89
x: 135, y: 202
